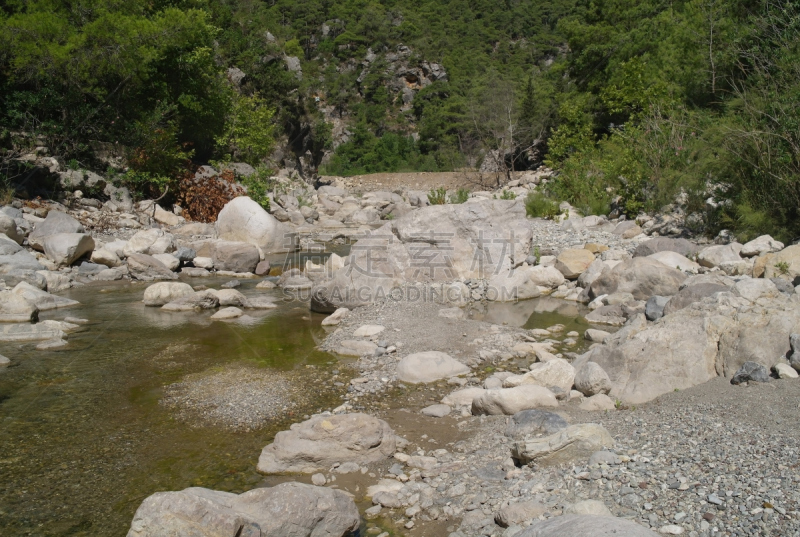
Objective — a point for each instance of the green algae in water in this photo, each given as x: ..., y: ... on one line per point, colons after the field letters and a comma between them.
x: 84, y: 439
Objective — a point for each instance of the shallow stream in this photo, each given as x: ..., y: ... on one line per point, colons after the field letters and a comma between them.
x: 84, y: 436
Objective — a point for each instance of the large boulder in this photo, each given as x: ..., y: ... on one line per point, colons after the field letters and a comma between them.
x: 147, y: 268
x: 534, y: 422
x: 235, y: 256
x: 244, y: 220
x: 509, y: 401
x: 665, y: 244
x: 428, y: 367
x: 563, y: 446
x: 714, y: 256
x: 439, y: 243
x: 784, y: 264
x: 161, y: 293
x: 65, y: 248
x: 691, y: 294
x: 15, y: 309
x: 150, y: 241
x: 573, y: 262
x: 591, y: 380
x: 8, y: 227
x: 55, y: 222
x: 285, y: 510
x: 557, y: 372
x: 318, y: 443
x: 676, y: 260
x: 21, y: 260
x: 717, y: 335
x: 641, y: 276
x: 549, y: 277
x: 761, y: 246
x: 42, y: 299
x: 588, y: 525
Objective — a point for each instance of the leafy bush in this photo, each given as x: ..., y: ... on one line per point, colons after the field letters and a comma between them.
x: 249, y: 130
x: 537, y: 205
x: 460, y: 196
x: 258, y: 186
x: 508, y: 195
x: 438, y: 196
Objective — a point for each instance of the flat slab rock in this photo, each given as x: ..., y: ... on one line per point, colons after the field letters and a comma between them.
x: 288, y: 509
x: 596, y: 526
x: 429, y: 366
x: 320, y: 442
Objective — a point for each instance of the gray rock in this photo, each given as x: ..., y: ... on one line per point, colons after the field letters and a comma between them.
x: 534, y: 422
x: 794, y: 357
x: 244, y: 220
x: 591, y: 379
x: 202, y: 300
x: 519, y: 513
x: 641, y: 276
x: 231, y: 284
x: 14, y: 308
x: 691, y: 294
x: 654, y: 307
x: 34, y: 277
x: 147, y: 268
x: 436, y: 411
x: 564, y: 446
x: 586, y: 525
x: 8, y: 227
x: 316, y: 444
x: 21, y: 260
x: 55, y: 222
x: 65, y: 248
x: 235, y: 256
x: 8, y: 246
x: 784, y: 286
x: 4, y: 361
x: 429, y: 366
x: 588, y: 507
x: 89, y: 269
x: 162, y: 293
x: 509, y: 401
x: 604, y: 457
x: 751, y: 372
x: 286, y: 510
x: 185, y: 254
x: 661, y: 244
x: 42, y: 299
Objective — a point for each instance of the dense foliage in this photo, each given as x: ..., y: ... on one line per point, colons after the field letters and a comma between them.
x: 632, y: 102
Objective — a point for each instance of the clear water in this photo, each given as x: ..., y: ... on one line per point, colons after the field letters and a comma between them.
x: 83, y: 438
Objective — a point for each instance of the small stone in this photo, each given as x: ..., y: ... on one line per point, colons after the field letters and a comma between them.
x: 714, y: 499
x: 671, y: 529
x: 318, y: 479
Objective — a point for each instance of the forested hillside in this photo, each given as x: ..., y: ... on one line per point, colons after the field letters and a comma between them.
x: 633, y: 102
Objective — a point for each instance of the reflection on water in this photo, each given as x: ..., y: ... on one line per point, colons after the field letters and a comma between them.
x: 82, y: 437
x: 536, y: 313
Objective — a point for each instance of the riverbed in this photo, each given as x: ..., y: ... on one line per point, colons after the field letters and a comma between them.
x: 84, y: 438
